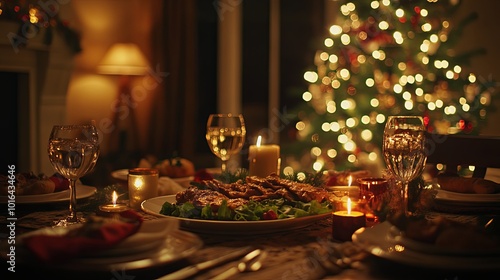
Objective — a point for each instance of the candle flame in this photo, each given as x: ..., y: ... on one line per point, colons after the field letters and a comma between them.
x: 138, y: 183
x: 114, y: 197
x: 259, y: 140
x: 349, y: 180
x: 348, y: 206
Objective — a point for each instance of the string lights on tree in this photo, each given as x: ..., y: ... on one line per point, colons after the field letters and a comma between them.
x: 385, y: 58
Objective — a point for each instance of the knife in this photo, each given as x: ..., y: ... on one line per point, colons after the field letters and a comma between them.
x: 194, y: 269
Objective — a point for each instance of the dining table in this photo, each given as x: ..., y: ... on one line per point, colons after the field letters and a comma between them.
x: 307, y: 251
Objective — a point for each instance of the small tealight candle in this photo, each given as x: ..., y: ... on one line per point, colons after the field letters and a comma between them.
x: 142, y: 185
x: 113, y: 207
x: 339, y: 194
x: 264, y: 159
x: 346, y: 222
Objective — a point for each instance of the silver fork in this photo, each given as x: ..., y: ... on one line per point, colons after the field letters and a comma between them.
x: 250, y: 262
x: 336, y: 257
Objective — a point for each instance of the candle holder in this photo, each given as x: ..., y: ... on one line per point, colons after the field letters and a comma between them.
x: 142, y: 185
x: 113, y: 208
x: 373, y: 195
x: 346, y: 222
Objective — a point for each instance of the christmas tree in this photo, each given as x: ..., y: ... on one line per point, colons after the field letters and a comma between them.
x: 385, y: 58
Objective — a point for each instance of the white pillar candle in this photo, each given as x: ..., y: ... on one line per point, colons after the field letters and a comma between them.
x: 264, y: 159
x: 142, y: 185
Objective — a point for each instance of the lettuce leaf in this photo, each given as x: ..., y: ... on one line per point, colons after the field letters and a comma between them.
x: 252, y: 211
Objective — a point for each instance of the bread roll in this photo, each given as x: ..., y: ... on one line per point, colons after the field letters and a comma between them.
x: 28, y: 183
x: 42, y: 186
x: 468, y: 185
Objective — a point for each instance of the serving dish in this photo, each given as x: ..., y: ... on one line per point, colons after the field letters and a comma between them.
x: 153, y: 206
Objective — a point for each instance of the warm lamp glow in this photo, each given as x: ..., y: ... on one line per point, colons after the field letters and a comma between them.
x: 124, y: 59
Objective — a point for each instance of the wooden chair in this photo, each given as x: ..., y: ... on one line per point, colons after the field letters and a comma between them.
x: 455, y: 151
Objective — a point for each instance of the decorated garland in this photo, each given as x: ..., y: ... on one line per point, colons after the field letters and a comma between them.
x: 33, y: 16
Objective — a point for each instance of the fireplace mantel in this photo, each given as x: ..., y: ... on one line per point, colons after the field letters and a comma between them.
x: 49, y: 69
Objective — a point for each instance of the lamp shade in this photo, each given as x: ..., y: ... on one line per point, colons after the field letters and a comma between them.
x: 123, y: 59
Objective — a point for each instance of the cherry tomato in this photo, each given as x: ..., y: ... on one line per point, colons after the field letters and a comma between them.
x: 270, y: 215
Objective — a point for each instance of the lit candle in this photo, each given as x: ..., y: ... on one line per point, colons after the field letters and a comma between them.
x: 264, y: 159
x: 113, y: 207
x: 142, y: 185
x: 339, y: 194
x: 346, y: 222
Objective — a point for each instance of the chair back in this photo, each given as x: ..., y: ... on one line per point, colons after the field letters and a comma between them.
x: 454, y: 150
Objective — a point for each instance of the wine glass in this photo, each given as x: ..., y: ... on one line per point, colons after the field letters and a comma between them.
x: 225, y: 135
x: 404, y: 151
x: 73, y: 151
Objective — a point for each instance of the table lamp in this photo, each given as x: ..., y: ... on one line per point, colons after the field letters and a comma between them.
x: 124, y: 60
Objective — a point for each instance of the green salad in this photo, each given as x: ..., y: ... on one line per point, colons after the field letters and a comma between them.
x: 269, y: 209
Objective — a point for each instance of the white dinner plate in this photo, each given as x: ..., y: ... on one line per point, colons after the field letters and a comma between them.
x: 136, y: 252
x: 396, y: 235
x: 122, y: 174
x: 82, y: 191
x: 154, y: 205
x: 455, y: 197
x: 377, y: 240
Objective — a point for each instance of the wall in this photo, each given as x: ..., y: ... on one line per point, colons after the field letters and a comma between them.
x: 92, y: 95
x: 482, y: 34
x: 48, y: 68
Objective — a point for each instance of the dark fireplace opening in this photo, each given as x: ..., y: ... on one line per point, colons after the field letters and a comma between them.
x: 15, y: 119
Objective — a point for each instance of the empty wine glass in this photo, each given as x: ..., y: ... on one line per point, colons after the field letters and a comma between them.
x: 404, y: 151
x: 225, y: 135
x: 73, y: 151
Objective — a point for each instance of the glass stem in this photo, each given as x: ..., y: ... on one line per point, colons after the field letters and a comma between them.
x: 406, y: 200
x: 223, y: 167
x: 72, y: 217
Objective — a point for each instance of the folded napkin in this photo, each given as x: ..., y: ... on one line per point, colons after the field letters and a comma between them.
x: 92, y: 237
x: 167, y: 186
x: 151, y: 235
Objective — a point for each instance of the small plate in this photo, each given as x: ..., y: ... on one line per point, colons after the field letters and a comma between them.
x: 153, y: 206
x: 376, y: 241
x: 82, y: 191
x: 454, y: 197
x: 394, y: 234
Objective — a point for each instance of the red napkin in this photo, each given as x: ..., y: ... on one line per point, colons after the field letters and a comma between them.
x: 97, y: 234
